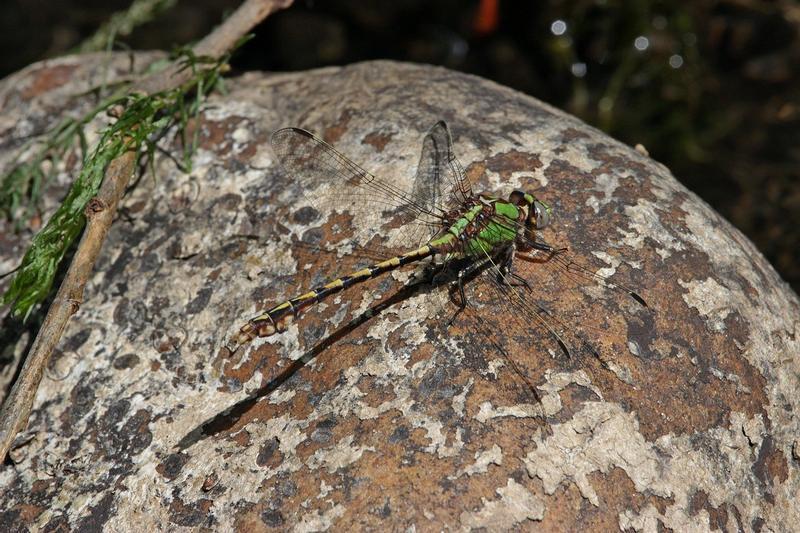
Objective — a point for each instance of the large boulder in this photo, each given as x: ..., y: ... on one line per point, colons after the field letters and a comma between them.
x: 682, y: 414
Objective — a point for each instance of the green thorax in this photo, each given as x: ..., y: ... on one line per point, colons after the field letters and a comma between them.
x: 490, y: 223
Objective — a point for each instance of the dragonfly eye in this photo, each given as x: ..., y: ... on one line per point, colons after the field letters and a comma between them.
x: 541, y: 214
x: 518, y: 198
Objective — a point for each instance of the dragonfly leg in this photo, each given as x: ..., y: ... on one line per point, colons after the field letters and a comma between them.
x: 465, y: 272
x: 506, y: 272
x: 550, y: 251
x: 529, y: 244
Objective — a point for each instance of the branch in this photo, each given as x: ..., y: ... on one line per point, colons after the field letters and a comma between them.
x: 99, y: 214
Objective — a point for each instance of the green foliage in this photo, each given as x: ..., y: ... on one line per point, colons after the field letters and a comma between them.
x: 21, y: 186
x: 143, y: 120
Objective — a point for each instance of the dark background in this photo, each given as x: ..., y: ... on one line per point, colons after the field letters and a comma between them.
x: 712, y: 90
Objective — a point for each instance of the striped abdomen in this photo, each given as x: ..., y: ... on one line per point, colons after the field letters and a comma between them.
x: 279, y: 317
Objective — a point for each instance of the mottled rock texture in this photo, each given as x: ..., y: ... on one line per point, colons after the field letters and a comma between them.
x: 688, y: 420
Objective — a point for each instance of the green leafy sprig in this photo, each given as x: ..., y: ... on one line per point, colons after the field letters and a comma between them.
x: 144, y: 118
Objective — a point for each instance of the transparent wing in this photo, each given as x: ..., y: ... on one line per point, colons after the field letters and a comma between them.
x: 440, y: 176
x: 332, y: 182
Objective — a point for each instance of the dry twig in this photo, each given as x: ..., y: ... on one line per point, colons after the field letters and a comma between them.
x: 99, y: 214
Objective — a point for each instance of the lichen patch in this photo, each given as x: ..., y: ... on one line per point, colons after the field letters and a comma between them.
x: 515, y: 506
x: 711, y: 300
x: 483, y: 459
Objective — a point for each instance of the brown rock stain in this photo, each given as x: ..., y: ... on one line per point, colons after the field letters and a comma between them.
x: 29, y: 513
x: 569, y: 135
x: 718, y: 516
x: 771, y: 466
x: 414, y: 487
x: 47, y: 78
x: 567, y: 509
x: 374, y: 394
x: 217, y: 136
x: 190, y: 514
x: 378, y: 140
x: 334, y: 132
x: 242, y: 438
x: 512, y: 161
x: 269, y: 454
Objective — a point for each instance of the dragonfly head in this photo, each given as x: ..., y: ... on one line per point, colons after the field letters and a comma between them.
x: 539, y: 213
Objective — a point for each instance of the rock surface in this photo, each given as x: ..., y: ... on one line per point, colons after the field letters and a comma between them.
x: 687, y: 420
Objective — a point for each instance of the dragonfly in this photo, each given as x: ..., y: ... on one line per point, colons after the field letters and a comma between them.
x: 472, y: 235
